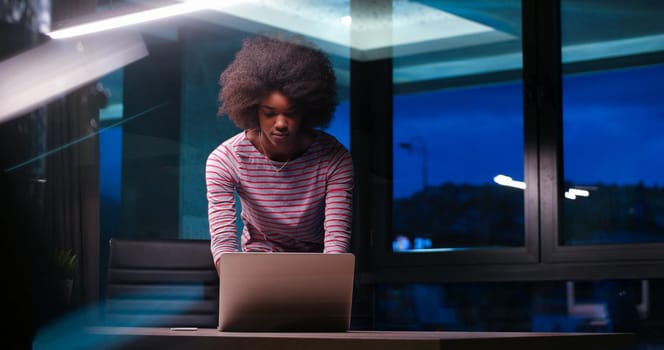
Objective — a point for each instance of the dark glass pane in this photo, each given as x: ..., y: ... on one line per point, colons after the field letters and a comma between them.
x: 538, y: 306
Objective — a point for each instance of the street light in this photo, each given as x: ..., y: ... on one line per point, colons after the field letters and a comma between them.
x: 418, y: 145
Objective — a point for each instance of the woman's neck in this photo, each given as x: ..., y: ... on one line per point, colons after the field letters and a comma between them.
x: 262, y: 144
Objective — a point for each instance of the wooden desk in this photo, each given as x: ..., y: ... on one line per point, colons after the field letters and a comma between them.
x: 164, y: 338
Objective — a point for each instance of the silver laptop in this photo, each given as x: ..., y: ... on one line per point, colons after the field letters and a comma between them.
x: 285, y: 292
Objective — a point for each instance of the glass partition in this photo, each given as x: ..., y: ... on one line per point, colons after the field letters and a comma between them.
x: 164, y: 108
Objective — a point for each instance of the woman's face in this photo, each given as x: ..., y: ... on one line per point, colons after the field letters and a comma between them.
x: 279, y: 123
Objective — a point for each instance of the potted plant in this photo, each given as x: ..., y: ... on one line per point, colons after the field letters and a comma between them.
x: 66, y: 262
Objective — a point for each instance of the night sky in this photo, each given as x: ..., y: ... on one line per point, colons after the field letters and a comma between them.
x: 613, y: 131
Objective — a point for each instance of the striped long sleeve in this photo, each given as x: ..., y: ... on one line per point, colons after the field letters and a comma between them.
x: 302, y: 205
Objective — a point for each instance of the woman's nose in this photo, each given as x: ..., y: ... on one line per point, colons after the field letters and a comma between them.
x: 281, y: 122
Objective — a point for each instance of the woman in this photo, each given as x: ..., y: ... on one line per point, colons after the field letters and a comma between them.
x: 293, y: 180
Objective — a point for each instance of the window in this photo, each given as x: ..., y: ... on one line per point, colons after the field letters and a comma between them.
x: 576, y: 197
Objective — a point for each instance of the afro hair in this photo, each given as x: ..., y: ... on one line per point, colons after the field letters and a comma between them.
x: 291, y: 66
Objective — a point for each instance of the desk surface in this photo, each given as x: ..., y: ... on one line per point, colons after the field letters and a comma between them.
x: 165, y: 338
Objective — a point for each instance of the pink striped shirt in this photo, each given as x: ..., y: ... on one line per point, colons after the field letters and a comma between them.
x: 305, y: 206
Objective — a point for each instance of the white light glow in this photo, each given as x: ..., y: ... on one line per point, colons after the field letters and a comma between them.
x: 127, y: 20
x: 572, y: 193
x: 507, y: 181
x: 27, y: 82
x: 579, y: 192
x: 138, y: 17
x: 346, y: 20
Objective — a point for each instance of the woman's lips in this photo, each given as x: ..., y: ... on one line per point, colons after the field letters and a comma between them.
x: 279, y: 137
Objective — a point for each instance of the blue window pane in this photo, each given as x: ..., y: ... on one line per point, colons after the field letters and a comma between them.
x: 613, y: 146
x: 448, y: 150
x: 539, y: 306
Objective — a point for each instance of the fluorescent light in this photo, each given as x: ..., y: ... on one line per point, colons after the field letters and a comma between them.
x: 127, y: 20
x: 569, y: 195
x: 507, y: 181
x: 138, y: 17
x: 28, y: 83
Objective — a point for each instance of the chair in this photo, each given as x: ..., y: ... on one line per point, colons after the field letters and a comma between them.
x: 161, y: 283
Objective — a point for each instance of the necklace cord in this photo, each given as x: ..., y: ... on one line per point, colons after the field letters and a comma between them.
x: 260, y: 142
